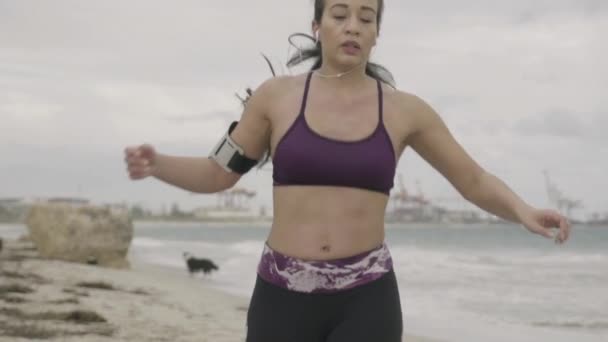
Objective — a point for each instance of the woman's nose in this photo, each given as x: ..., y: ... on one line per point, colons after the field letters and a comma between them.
x: 352, y: 26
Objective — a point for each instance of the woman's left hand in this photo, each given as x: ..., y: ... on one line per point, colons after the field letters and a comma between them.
x: 542, y: 221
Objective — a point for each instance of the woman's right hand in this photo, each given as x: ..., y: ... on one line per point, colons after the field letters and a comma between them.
x: 140, y: 160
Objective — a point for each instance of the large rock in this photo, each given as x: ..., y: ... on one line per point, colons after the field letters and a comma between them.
x: 85, y: 234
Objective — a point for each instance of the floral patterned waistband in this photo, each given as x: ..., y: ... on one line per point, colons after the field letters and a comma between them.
x: 326, y: 276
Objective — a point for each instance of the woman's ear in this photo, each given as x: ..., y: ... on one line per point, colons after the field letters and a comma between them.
x: 315, y: 29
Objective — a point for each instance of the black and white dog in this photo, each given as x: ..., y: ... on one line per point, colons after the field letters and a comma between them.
x: 199, y: 265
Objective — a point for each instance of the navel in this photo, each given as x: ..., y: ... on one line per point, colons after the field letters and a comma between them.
x: 326, y: 248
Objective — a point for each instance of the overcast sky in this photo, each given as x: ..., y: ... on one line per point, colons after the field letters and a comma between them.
x: 521, y: 84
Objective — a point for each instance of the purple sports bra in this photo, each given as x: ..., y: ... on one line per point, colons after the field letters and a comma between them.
x: 304, y: 157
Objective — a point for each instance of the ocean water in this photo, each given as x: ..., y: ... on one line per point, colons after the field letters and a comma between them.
x: 457, y: 282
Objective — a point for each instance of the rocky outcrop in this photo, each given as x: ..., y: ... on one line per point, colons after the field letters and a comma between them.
x: 86, y: 234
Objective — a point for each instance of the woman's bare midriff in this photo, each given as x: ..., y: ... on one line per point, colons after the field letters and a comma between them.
x: 324, y: 223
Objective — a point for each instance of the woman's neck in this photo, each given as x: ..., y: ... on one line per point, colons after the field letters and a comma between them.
x: 349, y: 77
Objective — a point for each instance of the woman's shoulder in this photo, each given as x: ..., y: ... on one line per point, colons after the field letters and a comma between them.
x: 278, y: 84
x: 402, y: 98
x: 410, y: 110
x: 407, y: 102
x: 275, y: 92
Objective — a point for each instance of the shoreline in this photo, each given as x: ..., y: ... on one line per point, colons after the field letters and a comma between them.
x: 64, y: 301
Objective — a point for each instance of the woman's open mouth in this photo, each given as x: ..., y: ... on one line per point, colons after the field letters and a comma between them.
x: 351, y: 47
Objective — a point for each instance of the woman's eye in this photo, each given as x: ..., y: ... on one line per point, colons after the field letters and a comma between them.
x: 366, y: 21
x: 339, y: 17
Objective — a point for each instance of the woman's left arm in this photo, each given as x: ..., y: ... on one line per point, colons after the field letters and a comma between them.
x: 432, y: 140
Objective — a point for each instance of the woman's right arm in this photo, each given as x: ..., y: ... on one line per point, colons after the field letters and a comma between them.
x: 194, y: 174
x: 201, y: 174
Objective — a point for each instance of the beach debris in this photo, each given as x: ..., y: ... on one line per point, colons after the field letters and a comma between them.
x: 15, y: 288
x: 97, y: 285
x: 76, y: 292
x: 72, y: 300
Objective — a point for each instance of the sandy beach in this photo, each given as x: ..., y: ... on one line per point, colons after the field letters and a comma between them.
x: 61, y: 301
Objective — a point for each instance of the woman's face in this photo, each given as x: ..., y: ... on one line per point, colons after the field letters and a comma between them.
x: 348, y: 30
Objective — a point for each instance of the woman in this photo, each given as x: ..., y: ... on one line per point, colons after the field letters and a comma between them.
x: 335, y: 135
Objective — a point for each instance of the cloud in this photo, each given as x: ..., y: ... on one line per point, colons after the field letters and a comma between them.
x: 520, y: 83
x: 599, y: 123
x: 189, y: 118
x: 557, y: 123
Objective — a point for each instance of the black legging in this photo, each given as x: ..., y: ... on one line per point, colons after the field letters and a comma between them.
x: 367, y: 313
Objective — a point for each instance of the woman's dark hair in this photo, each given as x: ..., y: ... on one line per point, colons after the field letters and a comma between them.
x: 315, y: 53
x: 371, y: 69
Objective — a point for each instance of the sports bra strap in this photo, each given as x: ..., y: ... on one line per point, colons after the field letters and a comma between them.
x: 380, y: 101
x: 305, y: 98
